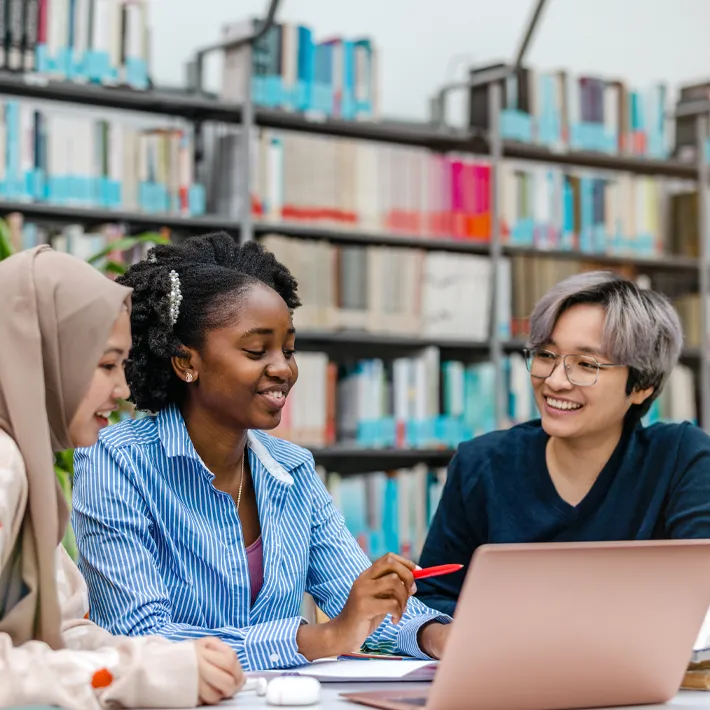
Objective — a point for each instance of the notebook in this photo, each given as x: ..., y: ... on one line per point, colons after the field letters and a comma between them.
x: 353, y: 671
x: 568, y: 625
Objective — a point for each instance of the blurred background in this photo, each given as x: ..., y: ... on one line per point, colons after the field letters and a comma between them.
x: 424, y: 172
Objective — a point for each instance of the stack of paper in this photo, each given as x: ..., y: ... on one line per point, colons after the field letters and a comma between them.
x: 701, y: 648
x: 328, y: 670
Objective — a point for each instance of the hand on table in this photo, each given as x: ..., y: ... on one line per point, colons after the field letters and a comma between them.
x: 219, y: 671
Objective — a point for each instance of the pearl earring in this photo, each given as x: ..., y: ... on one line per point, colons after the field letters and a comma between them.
x: 188, y: 377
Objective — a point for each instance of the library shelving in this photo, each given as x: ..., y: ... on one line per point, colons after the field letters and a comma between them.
x: 62, y: 214
x: 43, y: 212
x: 205, y: 107
x: 352, y: 459
x: 199, y: 107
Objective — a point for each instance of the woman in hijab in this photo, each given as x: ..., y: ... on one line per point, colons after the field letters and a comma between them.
x: 65, y: 334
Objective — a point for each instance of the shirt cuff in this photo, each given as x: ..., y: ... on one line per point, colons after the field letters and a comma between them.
x: 407, y: 634
x: 273, y: 645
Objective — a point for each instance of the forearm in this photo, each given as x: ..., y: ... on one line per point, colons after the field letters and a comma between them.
x: 131, y: 673
x: 265, y: 646
x: 320, y: 640
x: 432, y: 638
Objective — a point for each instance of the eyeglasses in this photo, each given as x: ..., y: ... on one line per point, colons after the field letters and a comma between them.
x: 581, y: 370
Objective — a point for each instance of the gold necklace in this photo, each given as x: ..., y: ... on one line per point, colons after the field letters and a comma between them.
x: 241, y: 481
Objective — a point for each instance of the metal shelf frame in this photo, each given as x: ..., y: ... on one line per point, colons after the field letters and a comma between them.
x: 64, y: 214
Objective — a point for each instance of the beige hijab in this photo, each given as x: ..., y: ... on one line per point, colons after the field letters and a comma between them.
x: 56, y: 314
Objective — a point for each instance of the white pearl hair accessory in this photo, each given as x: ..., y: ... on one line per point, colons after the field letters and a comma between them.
x: 175, y: 297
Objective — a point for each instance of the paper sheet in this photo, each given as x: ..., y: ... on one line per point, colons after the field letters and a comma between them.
x: 350, y: 671
x: 703, y: 640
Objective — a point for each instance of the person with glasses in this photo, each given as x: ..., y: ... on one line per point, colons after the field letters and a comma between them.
x: 600, y: 351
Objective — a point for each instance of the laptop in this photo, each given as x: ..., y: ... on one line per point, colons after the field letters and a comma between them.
x: 542, y: 626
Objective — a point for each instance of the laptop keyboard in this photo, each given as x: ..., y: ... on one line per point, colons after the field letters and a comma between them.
x: 417, y: 702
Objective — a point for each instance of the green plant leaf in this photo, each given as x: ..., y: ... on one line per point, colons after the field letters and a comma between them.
x: 64, y: 460
x: 127, y: 243
x: 113, y: 267
x: 63, y: 469
x: 5, y: 241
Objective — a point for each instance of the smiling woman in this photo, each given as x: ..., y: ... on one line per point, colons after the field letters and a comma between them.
x: 196, y: 520
x: 600, y: 351
x: 107, y: 388
x: 65, y: 336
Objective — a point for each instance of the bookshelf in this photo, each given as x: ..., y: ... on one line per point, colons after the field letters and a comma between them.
x: 45, y: 212
x: 204, y: 107
x: 350, y: 460
x: 199, y: 108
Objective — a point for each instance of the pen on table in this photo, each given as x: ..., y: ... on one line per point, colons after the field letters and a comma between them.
x: 372, y: 657
x: 435, y: 571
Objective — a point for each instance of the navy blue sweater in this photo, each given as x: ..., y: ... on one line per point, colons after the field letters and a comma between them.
x: 655, y: 485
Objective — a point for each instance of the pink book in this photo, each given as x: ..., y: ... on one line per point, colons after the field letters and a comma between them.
x: 433, y: 225
x: 458, y: 206
x: 42, y: 21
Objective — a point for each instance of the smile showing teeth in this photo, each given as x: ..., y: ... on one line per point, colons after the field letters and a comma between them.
x: 104, y: 415
x: 277, y: 398
x: 561, y: 404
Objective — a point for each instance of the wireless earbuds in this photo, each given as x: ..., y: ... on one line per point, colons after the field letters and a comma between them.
x: 293, y: 690
x: 258, y: 685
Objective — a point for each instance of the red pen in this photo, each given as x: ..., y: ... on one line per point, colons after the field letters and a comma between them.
x: 435, y: 571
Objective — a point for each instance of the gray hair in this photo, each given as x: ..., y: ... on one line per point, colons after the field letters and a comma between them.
x: 641, y: 330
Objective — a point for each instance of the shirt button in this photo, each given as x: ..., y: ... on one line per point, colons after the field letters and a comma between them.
x: 274, y: 658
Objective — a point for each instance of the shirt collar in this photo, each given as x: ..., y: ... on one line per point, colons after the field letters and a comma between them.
x: 270, y: 451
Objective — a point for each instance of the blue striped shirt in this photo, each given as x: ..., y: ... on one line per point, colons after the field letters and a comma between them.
x: 162, y: 549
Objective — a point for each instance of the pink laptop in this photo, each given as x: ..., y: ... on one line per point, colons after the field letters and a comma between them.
x: 568, y: 625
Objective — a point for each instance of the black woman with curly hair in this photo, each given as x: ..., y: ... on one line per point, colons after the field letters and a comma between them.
x: 194, y: 520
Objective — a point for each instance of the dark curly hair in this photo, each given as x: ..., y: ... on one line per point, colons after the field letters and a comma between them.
x: 213, y: 270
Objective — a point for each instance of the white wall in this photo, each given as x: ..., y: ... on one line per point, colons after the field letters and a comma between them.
x: 424, y: 43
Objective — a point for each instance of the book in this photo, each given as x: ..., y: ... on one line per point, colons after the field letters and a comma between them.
x: 563, y: 111
x: 289, y: 69
x: 66, y: 157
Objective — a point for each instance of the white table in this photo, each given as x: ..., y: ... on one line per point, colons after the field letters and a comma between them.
x: 330, y: 700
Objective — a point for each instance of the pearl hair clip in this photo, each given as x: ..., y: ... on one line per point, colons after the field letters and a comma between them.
x: 175, y: 297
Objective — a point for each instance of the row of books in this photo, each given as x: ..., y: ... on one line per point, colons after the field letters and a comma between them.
x: 564, y: 111
x: 408, y: 402
x: 422, y: 402
x: 599, y: 213
x: 411, y: 191
x: 393, y: 290
x: 289, y: 69
x: 532, y: 275
x: 388, y: 511
x: 97, y: 41
x: 405, y: 291
x: 398, y: 290
x: 71, y: 158
x: 358, y: 184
